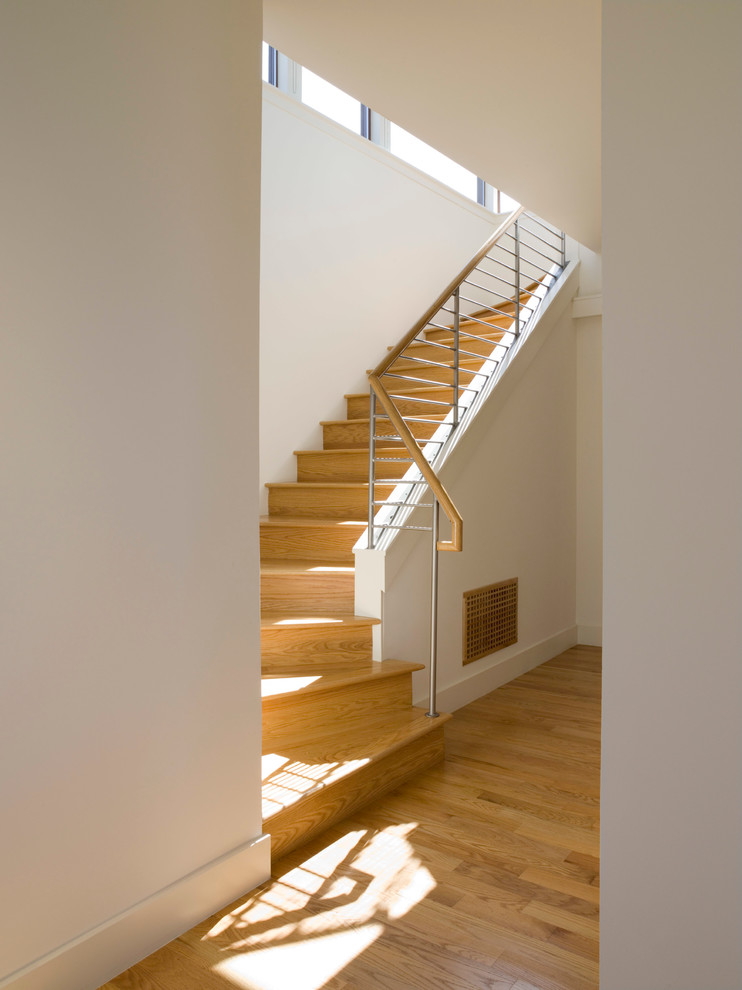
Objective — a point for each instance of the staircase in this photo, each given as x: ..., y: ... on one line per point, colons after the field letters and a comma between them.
x: 338, y: 728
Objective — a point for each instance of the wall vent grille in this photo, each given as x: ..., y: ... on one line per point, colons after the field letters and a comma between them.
x: 490, y: 619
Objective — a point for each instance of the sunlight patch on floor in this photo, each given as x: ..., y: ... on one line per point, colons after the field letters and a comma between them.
x: 304, y: 965
x: 323, y: 911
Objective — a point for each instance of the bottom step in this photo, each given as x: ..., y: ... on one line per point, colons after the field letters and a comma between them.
x: 305, y: 792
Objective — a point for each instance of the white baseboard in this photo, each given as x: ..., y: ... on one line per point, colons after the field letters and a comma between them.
x: 91, y: 959
x: 590, y: 635
x: 500, y: 671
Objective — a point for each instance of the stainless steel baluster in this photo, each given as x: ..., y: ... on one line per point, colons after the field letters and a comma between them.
x: 517, y: 278
x: 371, y: 465
x: 564, y: 249
x: 456, y: 359
x: 432, y: 713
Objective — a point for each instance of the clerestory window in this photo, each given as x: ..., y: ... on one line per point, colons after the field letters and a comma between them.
x: 333, y: 102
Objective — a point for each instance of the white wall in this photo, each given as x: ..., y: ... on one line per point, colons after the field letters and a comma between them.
x: 509, y: 88
x: 129, y: 710
x: 589, y: 589
x: 355, y: 246
x: 513, y: 478
x: 672, y: 745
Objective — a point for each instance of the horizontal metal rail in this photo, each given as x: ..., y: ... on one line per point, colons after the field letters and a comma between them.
x: 416, y: 398
x: 426, y: 529
x: 526, y: 231
x: 484, y: 288
x: 529, y: 247
x: 418, y: 505
x: 542, y: 223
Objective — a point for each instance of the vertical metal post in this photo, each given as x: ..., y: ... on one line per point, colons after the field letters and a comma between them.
x: 371, y: 466
x: 564, y: 249
x: 517, y: 278
x: 456, y: 358
x: 432, y: 713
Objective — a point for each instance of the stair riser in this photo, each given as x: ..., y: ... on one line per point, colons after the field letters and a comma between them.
x: 443, y: 375
x: 310, y: 543
x: 358, y: 405
x: 294, y: 826
x: 492, y: 337
x: 348, y: 707
x: 345, y: 465
x: 428, y: 353
x: 314, y: 592
x: 356, y: 435
x: 298, y: 646
x: 326, y: 502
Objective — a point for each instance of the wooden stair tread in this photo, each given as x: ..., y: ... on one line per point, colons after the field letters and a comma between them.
x: 271, y: 620
x: 346, y: 450
x: 407, y: 391
x: 465, y: 363
x: 284, y: 565
x: 495, y: 336
x: 310, y: 522
x: 354, y: 485
x: 367, y: 420
x: 303, y: 769
x: 280, y: 684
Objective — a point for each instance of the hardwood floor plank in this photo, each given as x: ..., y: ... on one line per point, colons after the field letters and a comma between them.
x: 556, y: 878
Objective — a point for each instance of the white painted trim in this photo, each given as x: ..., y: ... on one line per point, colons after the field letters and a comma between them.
x: 501, y: 670
x: 365, y: 147
x: 590, y: 635
x: 93, y: 958
x: 587, y: 306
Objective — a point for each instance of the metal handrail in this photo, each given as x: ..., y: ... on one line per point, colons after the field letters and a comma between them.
x: 529, y: 281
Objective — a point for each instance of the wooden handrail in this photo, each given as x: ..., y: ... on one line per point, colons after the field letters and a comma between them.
x: 444, y: 499
x: 457, y: 524
x: 448, y: 291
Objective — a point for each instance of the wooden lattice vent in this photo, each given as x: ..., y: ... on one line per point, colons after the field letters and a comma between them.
x: 490, y: 619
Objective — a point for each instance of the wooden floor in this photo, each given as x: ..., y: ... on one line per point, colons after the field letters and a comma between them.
x: 481, y: 873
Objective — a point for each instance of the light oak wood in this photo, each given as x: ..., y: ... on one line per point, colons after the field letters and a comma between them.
x: 303, y: 639
x: 468, y: 368
x: 348, y: 465
x: 318, y: 499
x: 321, y: 691
x: 436, y: 885
x: 433, y: 353
x: 326, y: 680
x: 417, y: 403
x: 336, y: 780
x: 288, y: 585
x: 330, y: 702
x: 329, y: 540
x: 354, y: 432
